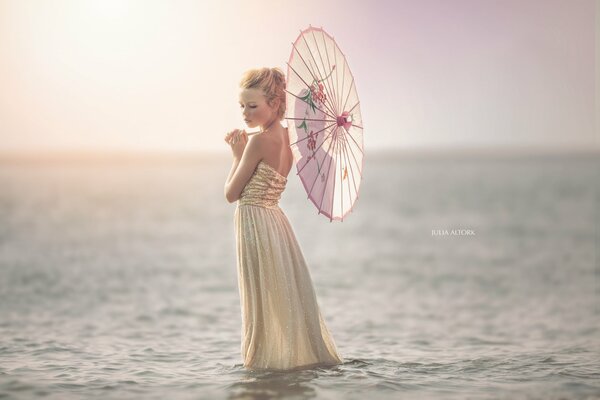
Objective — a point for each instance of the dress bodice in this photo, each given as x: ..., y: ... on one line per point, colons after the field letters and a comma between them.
x: 264, y: 188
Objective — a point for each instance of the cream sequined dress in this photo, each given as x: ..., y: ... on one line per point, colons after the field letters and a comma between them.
x: 282, y: 326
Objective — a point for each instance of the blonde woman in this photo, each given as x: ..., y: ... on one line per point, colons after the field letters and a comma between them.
x: 282, y: 326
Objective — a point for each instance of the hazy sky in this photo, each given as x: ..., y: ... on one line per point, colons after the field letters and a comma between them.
x: 163, y: 75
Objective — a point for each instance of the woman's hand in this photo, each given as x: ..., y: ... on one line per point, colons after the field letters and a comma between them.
x: 237, y: 139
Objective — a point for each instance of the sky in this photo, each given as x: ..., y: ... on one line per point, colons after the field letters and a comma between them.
x: 147, y: 75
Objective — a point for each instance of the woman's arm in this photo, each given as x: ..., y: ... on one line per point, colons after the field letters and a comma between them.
x: 242, y: 169
x: 236, y: 163
x: 238, y: 144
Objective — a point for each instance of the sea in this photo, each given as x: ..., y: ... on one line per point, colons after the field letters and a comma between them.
x: 458, y: 275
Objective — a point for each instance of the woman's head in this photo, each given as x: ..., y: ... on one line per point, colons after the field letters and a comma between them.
x: 262, y: 96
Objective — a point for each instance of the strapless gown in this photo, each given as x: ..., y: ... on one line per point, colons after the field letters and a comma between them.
x: 282, y: 326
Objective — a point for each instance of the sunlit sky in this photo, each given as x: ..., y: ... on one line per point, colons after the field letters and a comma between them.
x: 163, y: 75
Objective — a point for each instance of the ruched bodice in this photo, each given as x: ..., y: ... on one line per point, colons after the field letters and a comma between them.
x: 264, y: 187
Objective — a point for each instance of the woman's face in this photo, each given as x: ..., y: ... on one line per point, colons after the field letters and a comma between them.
x: 255, y: 110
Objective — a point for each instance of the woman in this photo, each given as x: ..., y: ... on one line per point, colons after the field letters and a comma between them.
x: 282, y: 327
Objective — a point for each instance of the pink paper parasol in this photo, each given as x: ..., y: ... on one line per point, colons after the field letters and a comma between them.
x: 324, y: 123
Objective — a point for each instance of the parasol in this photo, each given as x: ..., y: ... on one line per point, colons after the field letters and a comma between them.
x: 324, y: 123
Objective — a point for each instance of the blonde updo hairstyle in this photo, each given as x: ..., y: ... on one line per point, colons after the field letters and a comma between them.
x: 271, y: 81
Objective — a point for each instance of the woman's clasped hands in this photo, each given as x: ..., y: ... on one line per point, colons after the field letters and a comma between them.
x: 237, y: 139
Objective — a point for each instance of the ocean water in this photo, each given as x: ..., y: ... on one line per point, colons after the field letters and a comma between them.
x: 118, y: 281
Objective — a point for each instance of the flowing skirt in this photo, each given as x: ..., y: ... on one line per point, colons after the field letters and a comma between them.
x: 282, y: 326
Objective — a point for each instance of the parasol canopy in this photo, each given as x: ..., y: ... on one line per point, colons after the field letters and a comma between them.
x: 324, y: 123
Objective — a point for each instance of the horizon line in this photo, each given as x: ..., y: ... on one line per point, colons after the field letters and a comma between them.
x: 196, y: 154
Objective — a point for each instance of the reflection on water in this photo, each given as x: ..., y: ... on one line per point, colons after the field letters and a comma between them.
x: 274, y: 385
